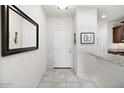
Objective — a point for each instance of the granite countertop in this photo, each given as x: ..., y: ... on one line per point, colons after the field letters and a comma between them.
x: 110, y: 58
x: 116, y: 51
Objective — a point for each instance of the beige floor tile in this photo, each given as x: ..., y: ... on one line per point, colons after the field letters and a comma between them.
x: 47, y: 78
x: 59, y: 84
x: 88, y: 85
x: 45, y: 85
x: 73, y: 85
x: 59, y: 78
x: 71, y: 78
x: 84, y: 79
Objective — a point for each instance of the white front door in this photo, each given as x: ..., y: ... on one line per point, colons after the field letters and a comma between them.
x: 63, y: 49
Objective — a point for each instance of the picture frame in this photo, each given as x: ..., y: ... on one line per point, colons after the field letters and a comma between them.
x: 87, y: 38
x: 74, y: 38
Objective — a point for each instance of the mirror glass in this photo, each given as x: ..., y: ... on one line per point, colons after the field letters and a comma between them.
x: 22, y: 33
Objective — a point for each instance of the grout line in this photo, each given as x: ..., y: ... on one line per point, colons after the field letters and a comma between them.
x: 79, y: 81
x: 46, y: 81
x: 52, y: 85
x: 38, y: 83
x: 94, y: 84
x: 65, y: 78
x: 40, y: 80
x: 60, y: 81
x: 76, y: 77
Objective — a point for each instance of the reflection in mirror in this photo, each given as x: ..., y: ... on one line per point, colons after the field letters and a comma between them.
x: 22, y: 33
x: 19, y: 31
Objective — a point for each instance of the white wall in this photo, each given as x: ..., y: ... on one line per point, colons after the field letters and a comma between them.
x: 86, y: 20
x: 102, y: 39
x: 56, y: 24
x: 75, y: 46
x: 103, y: 35
x: 25, y: 69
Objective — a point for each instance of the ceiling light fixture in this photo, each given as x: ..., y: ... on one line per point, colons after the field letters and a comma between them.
x: 62, y: 7
x: 103, y: 16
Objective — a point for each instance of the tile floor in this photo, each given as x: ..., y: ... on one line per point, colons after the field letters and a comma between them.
x: 65, y: 78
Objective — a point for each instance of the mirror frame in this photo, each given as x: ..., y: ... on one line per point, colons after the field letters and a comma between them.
x: 5, y: 30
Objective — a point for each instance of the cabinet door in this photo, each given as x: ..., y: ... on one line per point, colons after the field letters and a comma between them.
x: 117, y: 31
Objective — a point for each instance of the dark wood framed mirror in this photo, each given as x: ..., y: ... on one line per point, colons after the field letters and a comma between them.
x: 19, y: 31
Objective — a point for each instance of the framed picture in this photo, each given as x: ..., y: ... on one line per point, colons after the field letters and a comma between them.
x: 74, y: 38
x: 87, y: 38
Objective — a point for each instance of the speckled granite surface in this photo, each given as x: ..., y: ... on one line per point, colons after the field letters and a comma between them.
x: 111, y: 58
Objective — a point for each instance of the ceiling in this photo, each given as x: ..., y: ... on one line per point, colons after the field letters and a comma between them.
x: 51, y: 10
x: 113, y: 12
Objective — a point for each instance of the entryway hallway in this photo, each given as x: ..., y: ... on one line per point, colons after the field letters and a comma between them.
x: 65, y: 78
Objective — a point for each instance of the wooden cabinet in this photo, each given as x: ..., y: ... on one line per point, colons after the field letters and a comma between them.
x: 117, y: 33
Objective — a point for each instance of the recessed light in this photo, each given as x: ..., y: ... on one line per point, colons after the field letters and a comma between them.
x: 103, y: 16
